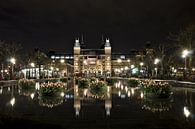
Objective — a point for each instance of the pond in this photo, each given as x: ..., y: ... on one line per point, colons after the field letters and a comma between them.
x: 121, y: 107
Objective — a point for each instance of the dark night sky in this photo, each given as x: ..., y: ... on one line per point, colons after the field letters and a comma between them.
x: 53, y: 24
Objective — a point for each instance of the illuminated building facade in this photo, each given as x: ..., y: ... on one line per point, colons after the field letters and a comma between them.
x: 92, y: 62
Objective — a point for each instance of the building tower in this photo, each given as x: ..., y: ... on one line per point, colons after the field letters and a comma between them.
x: 77, y: 50
x: 107, y: 49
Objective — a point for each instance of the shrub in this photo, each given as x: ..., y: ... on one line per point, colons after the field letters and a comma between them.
x: 83, y: 83
x: 51, y: 89
x: 98, y: 89
x: 26, y: 84
x: 133, y: 83
x: 162, y: 89
x: 63, y: 79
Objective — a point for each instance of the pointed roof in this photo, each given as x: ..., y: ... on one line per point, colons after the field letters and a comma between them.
x: 77, y: 44
x: 107, y: 44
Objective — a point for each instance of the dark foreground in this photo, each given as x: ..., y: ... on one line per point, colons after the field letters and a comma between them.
x: 126, y: 111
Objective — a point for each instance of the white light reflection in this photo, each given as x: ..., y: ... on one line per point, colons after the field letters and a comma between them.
x: 122, y: 87
x: 186, y: 112
x: 12, y: 101
x: 119, y: 93
x: 37, y: 86
x: 32, y: 95
x: 1, y: 91
x: 132, y: 91
x: 9, y: 89
x: 85, y: 92
x: 129, y: 94
x: 142, y: 95
x: 126, y: 88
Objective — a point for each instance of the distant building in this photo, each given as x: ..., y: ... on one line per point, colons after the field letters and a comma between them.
x: 92, y: 62
x: 101, y: 61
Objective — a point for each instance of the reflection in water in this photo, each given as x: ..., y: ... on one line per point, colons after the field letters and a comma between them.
x: 1, y: 90
x: 12, y: 101
x: 77, y: 103
x: 136, y: 107
x: 50, y: 102
x: 8, y: 89
x: 129, y: 94
x: 132, y: 91
x: 142, y: 95
x: 108, y: 101
x: 186, y: 112
x: 77, y: 99
x: 37, y: 85
x: 157, y: 105
x: 32, y: 95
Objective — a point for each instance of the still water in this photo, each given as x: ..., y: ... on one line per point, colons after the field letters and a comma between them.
x: 120, y: 108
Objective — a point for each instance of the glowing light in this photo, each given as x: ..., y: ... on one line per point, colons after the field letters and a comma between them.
x: 85, y: 62
x: 62, y: 94
x: 122, y: 87
x: 142, y: 95
x: 129, y: 94
x: 119, y: 60
x: 32, y: 95
x: 132, y: 91
x: 8, y: 88
x: 185, y: 53
x: 141, y: 64
x: 37, y: 86
x: 12, y: 101
x: 186, y: 112
x: 85, y: 92
x: 13, y: 60
x: 126, y: 88
x: 126, y: 68
x: 128, y: 60
x: 119, y: 93
x: 1, y: 90
x: 132, y: 66
x: 52, y: 68
x: 156, y: 61
x: 193, y: 69
x: 32, y: 64
x: 62, y: 61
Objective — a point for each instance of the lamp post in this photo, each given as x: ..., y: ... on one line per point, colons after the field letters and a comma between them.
x: 13, y: 62
x: 141, y: 64
x: 156, y: 61
x: 33, y: 66
x: 185, y: 53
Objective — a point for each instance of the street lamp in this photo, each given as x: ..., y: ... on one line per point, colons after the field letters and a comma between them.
x: 141, y: 64
x: 156, y: 61
x: 13, y: 62
x: 185, y: 53
x: 33, y: 65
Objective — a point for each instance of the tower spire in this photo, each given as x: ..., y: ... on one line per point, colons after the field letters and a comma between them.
x: 82, y: 42
x: 102, y: 42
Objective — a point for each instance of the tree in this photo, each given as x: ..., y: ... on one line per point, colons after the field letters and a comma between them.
x: 184, y: 39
